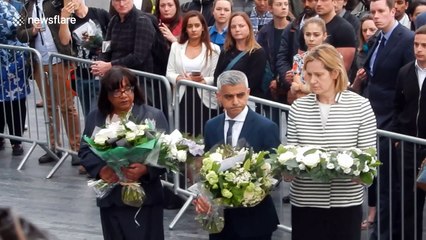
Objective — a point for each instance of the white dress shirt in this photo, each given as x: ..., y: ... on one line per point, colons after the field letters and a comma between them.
x: 237, y: 127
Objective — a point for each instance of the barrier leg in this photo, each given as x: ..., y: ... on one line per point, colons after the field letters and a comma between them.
x: 181, y: 212
x: 24, y: 160
x: 58, y: 164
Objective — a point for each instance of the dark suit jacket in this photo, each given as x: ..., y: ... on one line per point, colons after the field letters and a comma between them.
x: 261, y: 134
x: 93, y: 164
x: 380, y: 89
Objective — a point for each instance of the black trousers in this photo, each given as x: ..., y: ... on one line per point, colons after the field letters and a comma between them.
x: 118, y: 223
x: 326, y: 223
x: 13, y: 114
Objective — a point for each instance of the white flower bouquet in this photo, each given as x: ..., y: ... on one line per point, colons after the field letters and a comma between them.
x: 175, y: 149
x: 322, y: 165
x: 119, y: 145
x: 233, y: 178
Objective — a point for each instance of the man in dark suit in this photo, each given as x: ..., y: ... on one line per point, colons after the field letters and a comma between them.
x: 253, y: 130
x: 410, y: 119
x: 392, y: 50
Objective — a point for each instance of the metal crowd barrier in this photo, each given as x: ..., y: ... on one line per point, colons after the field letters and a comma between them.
x: 64, y: 85
x: 24, y: 64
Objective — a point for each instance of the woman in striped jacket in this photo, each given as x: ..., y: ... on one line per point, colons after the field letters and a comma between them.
x: 333, y: 118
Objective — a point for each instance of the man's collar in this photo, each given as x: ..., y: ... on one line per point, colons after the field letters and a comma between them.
x: 240, y: 117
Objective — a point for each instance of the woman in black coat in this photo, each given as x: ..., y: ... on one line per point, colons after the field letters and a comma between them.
x: 121, y: 96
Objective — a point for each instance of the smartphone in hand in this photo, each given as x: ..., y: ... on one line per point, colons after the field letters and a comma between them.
x: 196, y: 73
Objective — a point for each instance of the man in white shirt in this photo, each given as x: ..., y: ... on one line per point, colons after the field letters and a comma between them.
x: 401, y: 6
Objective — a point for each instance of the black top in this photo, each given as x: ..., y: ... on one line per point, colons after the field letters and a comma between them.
x: 252, y: 64
x: 340, y: 33
x: 101, y: 18
x: 131, y: 41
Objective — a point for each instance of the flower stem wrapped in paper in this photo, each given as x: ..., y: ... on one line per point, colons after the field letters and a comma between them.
x: 119, y: 145
x: 322, y: 165
x: 233, y: 178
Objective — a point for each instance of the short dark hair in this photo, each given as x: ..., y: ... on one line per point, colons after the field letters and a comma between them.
x: 421, y: 30
x: 413, y: 5
x: 112, y: 81
x: 389, y: 3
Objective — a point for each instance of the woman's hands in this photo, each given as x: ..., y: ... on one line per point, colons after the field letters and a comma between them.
x: 108, y: 175
x: 188, y: 76
x: 135, y: 171
x: 202, y: 206
x: 167, y: 33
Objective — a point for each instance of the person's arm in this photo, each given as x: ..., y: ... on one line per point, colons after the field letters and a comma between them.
x: 367, y: 133
x: 27, y: 32
x: 284, y: 60
x: 399, y: 101
x: 292, y: 133
x: 172, y: 72
x: 254, y: 71
x: 144, y: 38
x: 211, y: 65
x: 220, y: 66
x: 64, y: 31
x: 345, y: 44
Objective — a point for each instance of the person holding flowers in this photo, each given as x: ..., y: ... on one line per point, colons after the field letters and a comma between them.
x: 240, y: 126
x: 332, y: 118
x: 121, y: 99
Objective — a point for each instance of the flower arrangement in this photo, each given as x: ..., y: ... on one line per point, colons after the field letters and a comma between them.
x: 119, y: 145
x: 123, y: 143
x: 175, y: 148
x: 233, y: 178
x: 322, y: 165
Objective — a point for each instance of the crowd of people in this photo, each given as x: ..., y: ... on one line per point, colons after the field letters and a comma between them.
x: 346, y: 71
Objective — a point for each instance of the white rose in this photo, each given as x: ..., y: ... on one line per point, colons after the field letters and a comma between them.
x: 106, y: 133
x: 130, y: 136
x: 217, y: 157
x: 366, y: 168
x: 132, y: 126
x: 311, y: 160
x: 347, y: 170
x: 175, y: 137
x: 100, y: 140
x: 266, y: 167
x: 356, y: 173
x: 181, y: 155
x: 282, y: 158
x: 344, y: 160
x: 330, y: 165
x: 301, y: 166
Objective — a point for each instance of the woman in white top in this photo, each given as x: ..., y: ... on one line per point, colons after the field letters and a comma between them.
x: 193, y: 58
x: 334, y: 118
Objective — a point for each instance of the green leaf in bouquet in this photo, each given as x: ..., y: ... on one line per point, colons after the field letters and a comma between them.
x: 247, y: 164
x: 367, y: 178
x: 372, y: 151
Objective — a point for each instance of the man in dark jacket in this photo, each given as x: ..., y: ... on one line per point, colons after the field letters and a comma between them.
x: 409, y: 118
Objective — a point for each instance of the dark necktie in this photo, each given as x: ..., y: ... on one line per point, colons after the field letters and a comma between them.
x: 229, y: 132
x: 381, y: 46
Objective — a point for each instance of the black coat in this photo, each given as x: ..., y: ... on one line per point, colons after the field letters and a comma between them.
x: 93, y: 164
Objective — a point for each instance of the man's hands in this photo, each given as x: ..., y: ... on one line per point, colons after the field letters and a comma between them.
x: 99, y: 68
x: 201, y: 205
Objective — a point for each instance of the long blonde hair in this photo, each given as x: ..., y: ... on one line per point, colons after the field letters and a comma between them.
x: 251, y: 43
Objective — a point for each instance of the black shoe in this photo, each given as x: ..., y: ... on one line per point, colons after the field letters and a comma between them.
x: 286, y: 199
x: 17, y: 150
x: 75, y: 160
x: 46, y: 158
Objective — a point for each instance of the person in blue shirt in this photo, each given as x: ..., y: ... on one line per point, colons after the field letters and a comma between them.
x: 222, y: 10
x: 13, y: 85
